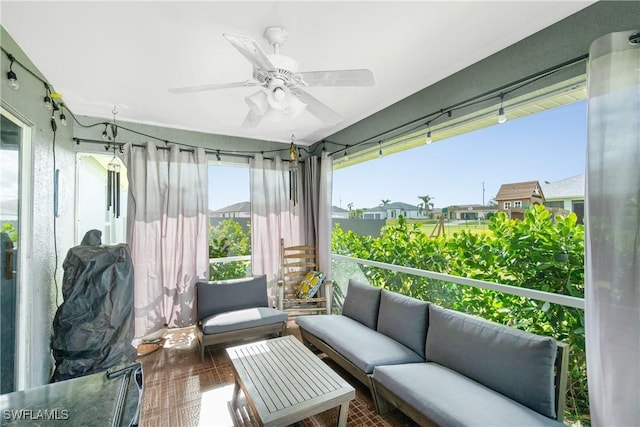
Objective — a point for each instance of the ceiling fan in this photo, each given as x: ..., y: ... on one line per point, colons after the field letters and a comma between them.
x: 281, y: 95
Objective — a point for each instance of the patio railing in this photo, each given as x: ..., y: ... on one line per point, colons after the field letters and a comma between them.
x: 340, y: 261
x: 343, y: 268
x: 231, y: 267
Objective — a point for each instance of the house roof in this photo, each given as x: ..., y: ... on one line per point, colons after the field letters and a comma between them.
x: 236, y: 207
x: 475, y: 207
x: 571, y: 187
x: 394, y: 205
x: 246, y: 207
x: 519, y: 190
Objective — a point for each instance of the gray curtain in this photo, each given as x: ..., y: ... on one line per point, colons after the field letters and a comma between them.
x: 317, y: 174
x: 310, y: 198
x: 612, y: 261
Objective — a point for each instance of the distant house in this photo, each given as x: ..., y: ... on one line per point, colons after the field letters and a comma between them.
x: 469, y: 212
x: 338, y: 212
x: 237, y: 210
x: 243, y: 210
x: 566, y: 194
x: 394, y: 211
x: 516, y: 197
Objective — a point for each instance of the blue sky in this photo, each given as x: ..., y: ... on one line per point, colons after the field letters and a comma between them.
x: 547, y: 146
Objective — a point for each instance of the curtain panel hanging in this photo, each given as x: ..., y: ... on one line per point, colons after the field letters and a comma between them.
x: 612, y: 246
x: 167, y: 232
x: 274, y: 216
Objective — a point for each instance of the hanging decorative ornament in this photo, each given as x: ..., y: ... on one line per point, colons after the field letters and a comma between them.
x: 293, y: 172
x: 113, y: 185
x: 113, y: 172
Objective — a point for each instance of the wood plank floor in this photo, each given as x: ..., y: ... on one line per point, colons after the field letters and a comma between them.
x: 181, y: 391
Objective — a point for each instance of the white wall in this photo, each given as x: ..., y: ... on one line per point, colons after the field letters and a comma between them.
x: 91, y: 206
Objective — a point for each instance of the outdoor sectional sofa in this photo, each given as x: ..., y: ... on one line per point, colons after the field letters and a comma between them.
x: 232, y: 310
x: 439, y: 366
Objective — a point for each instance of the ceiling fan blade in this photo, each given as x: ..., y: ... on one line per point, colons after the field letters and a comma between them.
x: 202, y: 88
x: 252, y: 51
x: 361, y: 77
x: 251, y: 120
x: 317, y: 108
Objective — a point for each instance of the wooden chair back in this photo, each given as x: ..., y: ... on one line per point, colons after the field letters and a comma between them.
x: 295, y: 263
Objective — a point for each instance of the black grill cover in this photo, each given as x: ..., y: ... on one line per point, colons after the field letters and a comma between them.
x: 93, y: 327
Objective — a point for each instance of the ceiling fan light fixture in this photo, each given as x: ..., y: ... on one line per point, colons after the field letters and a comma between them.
x: 279, y: 96
x: 258, y: 102
x: 274, y: 115
x: 296, y: 107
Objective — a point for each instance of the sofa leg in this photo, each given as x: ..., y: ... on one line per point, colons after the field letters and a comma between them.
x: 381, y: 404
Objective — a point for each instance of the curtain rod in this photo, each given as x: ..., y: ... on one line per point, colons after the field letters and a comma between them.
x: 160, y: 147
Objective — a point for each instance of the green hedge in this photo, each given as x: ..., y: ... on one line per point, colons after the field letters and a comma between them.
x: 229, y: 239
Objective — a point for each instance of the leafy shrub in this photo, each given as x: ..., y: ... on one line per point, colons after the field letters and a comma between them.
x: 228, y: 239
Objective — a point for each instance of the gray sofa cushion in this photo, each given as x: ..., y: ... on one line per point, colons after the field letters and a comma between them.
x: 219, y: 297
x: 517, y: 364
x: 361, y: 303
x: 404, y: 319
x: 451, y: 399
x: 242, y: 319
x: 361, y: 345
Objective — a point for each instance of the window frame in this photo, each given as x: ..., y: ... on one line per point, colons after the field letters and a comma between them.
x: 26, y: 286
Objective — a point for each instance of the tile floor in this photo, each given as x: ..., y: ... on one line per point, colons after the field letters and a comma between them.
x: 181, y: 391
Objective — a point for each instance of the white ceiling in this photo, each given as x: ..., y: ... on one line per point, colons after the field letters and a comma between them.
x: 128, y: 54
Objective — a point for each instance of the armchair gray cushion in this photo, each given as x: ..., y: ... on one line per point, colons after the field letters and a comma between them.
x: 242, y: 319
x: 220, y: 297
x: 404, y: 319
x: 361, y: 303
x: 514, y: 363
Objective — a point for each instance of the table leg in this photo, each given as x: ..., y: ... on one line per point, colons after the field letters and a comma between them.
x: 344, y: 413
x: 233, y: 405
x: 236, y: 393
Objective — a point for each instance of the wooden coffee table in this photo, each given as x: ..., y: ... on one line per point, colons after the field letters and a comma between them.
x: 284, y: 382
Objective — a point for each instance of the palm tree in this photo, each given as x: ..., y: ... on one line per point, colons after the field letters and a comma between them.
x: 350, y: 206
x: 426, y: 204
x: 385, y: 202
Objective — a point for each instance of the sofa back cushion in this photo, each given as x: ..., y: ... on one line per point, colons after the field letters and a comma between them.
x: 220, y: 297
x: 361, y: 303
x: 517, y: 364
x: 404, y: 319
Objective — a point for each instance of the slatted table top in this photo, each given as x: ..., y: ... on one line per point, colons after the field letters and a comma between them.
x: 284, y: 382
